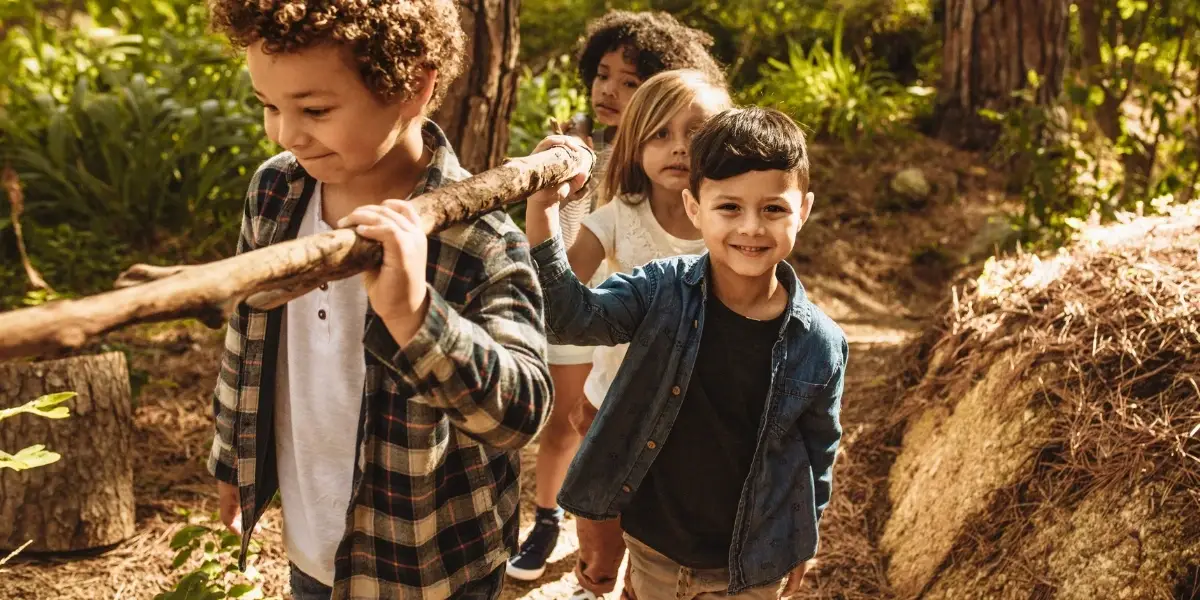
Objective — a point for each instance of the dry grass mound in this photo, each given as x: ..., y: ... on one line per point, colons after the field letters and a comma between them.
x: 1052, y: 442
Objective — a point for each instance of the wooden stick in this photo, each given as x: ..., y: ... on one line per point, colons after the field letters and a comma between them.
x: 270, y: 276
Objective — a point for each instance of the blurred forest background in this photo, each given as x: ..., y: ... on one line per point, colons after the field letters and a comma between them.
x: 134, y: 130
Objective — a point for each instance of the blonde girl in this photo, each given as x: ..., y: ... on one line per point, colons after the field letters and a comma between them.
x: 640, y: 218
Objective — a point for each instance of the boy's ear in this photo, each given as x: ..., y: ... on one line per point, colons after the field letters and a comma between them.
x: 691, y: 205
x: 806, y: 204
x: 419, y: 104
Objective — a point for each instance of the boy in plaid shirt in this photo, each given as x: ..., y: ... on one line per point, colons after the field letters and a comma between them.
x: 387, y: 408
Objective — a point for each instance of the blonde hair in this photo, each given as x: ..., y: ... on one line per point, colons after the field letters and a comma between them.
x: 650, y: 109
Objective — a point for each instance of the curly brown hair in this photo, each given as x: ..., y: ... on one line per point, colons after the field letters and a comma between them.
x: 652, y: 41
x: 393, y: 41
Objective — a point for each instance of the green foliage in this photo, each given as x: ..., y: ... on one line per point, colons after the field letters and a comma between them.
x: 835, y: 97
x: 47, y: 407
x: 142, y: 135
x: 749, y: 32
x: 554, y: 93
x: 208, y: 555
x: 1125, y: 136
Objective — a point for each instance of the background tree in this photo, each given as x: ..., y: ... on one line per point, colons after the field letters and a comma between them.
x: 990, y: 49
x: 477, y: 107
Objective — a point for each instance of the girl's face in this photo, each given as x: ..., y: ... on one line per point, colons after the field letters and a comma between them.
x: 616, y: 80
x: 664, y: 157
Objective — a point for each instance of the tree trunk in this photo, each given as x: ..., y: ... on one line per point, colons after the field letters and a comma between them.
x: 991, y: 46
x: 477, y: 106
x: 85, y: 500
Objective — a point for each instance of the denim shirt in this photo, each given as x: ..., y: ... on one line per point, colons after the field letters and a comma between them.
x: 659, y: 311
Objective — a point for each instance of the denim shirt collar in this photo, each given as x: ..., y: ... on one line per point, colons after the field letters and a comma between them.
x: 799, y: 309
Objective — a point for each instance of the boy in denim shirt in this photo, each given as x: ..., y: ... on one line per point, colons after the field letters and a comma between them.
x: 717, y: 440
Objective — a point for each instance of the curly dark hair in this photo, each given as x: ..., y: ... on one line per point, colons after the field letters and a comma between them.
x: 392, y: 41
x: 652, y: 41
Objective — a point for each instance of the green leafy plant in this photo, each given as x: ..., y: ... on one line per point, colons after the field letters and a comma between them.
x: 1124, y: 136
x: 131, y: 119
x: 554, y: 93
x: 827, y: 91
x: 208, y: 555
x: 47, y: 407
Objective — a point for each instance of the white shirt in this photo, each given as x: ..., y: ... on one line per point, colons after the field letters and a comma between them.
x: 631, y: 236
x: 319, y: 389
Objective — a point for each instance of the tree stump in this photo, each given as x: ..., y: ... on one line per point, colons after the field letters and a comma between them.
x: 85, y: 500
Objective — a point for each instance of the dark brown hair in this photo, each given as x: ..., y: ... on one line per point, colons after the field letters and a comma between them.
x: 740, y: 140
x: 652, y: 41
x: 392, y: 41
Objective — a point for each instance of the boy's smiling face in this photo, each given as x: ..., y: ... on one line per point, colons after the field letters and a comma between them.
x: 316, y: 106
x: 616, y: 81
x: 749, y: 222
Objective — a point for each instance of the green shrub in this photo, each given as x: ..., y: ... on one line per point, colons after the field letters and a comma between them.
x: 554, y: 93
x: 833, y: 96
x: 145, y: 143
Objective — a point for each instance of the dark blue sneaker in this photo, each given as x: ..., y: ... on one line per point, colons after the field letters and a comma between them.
x: 530, y: 562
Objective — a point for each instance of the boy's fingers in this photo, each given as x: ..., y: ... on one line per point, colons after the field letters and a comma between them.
x: 409, y: 218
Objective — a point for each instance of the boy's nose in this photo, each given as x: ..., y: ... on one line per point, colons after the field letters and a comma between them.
x: 287, y: 134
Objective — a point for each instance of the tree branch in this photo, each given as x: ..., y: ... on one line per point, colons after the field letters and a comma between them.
x: 270, y: 276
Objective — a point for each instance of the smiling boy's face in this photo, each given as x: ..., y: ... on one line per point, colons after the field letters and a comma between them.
x: 749, y: 222
x: 316, y: 106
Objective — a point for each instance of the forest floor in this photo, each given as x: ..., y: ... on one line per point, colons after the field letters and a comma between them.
x: 878, y: 264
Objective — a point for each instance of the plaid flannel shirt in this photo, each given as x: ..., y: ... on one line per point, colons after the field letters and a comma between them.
x: 435, y: 494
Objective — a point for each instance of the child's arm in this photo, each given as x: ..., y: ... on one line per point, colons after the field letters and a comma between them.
x: 605, y: 316
x: 483, y: 365
x: 822, y: 429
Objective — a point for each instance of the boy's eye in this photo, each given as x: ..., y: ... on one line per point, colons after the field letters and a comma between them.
x: 728, y: 206
x: 271, y: 108
x: 631, y: 84
x: 776, y: 209
x: 602, y: 76
x: 316, y: 112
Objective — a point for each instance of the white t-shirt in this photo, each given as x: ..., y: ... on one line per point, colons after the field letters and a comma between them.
x: 631, y: 237
x: 319, y: 389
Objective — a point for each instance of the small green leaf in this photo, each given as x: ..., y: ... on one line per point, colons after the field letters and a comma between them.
x: 230, y: 540
x: 211, y: 567
x: 209, y: 547
x: 240, y: 590
x: 29, y: 458
x: 182, y: 556
x: 186, y: 536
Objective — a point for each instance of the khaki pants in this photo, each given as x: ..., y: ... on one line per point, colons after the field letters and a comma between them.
x: 652, y: 576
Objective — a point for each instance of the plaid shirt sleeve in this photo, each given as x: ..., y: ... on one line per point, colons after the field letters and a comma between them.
x: 222, y: 462
x: 485, y: 365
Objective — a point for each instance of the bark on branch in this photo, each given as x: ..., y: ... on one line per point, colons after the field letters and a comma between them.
x: 267, y: 277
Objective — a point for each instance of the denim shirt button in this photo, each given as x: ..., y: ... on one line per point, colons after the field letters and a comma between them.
x: 626, y: 489
x: 675, y: 391
x: 651, y: 445
x: 695, y: 323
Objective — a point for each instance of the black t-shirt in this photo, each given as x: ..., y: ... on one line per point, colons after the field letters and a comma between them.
x: 688, y: 501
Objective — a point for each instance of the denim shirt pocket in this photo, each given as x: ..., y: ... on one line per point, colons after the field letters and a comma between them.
x: 795, y: 395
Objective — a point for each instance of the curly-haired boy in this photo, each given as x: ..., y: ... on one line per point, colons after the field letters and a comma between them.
x: 387, y: 408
